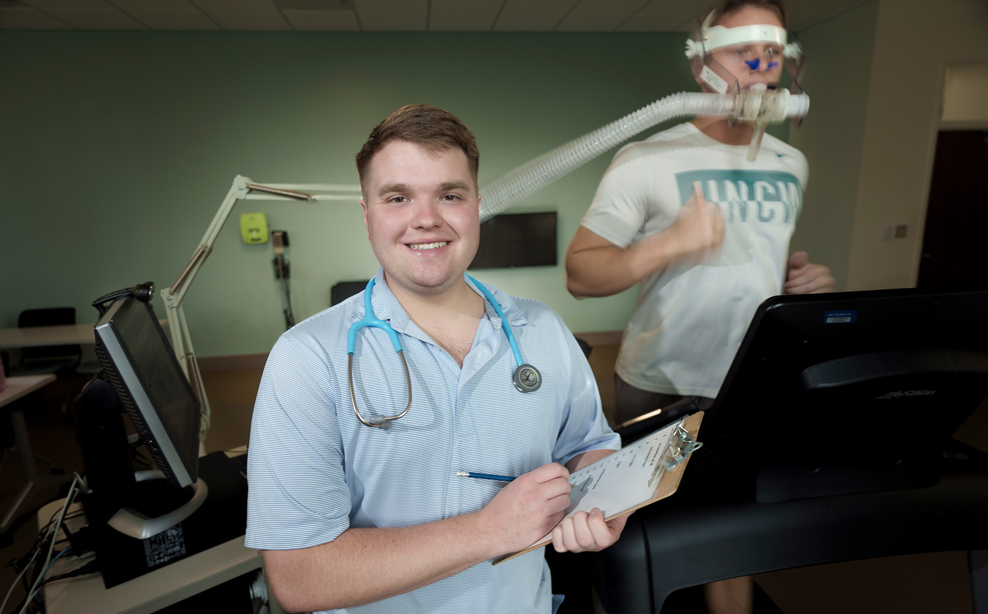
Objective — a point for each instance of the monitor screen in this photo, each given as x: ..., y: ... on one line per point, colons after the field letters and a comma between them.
x: 517, y: 239
x: 139, y: 363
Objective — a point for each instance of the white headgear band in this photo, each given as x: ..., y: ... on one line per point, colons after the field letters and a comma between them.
x: 715, y: 37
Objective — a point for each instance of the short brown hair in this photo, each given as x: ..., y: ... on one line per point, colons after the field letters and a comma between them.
x: 729, y: 6
x: 429, y: 127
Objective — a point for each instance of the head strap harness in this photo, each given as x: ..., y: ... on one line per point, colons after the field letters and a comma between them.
x: 715, y: 37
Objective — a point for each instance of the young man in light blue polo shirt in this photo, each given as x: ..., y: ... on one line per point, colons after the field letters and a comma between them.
x: 355, y: 518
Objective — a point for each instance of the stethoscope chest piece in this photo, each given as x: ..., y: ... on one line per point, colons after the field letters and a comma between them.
x: 527, y: 378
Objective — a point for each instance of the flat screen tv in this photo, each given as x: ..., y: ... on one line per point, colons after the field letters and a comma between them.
x: 517, y: 239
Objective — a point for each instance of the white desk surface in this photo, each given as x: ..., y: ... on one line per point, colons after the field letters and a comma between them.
x: 152, y: 591
x: 36, y: 336
x: 23, y: 385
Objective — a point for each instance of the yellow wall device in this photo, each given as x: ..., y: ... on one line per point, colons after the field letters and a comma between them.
x: 254, y: 228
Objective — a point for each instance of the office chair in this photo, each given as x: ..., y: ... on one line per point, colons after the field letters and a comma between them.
x: 586, y: 347
x: 65, y: 361
x: 58, y: 359
x: 343, y: 290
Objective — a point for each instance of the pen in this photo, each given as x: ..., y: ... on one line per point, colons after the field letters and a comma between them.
x: 484, y: 476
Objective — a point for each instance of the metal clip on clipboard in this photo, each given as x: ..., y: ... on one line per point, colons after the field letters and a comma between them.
x: 681, y: 445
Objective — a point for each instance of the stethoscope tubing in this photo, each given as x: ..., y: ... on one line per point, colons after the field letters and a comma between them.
x: 379, y: 421
x: 504, y: 321
x: 371, y: 320
x: 526, y: 377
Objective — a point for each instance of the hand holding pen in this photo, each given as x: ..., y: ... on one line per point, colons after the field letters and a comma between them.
x: 526, y: 507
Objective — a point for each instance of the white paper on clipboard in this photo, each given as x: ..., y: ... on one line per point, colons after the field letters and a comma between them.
x: 641, y: 473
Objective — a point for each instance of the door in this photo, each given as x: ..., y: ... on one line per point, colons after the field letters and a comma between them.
x: 955, y: 245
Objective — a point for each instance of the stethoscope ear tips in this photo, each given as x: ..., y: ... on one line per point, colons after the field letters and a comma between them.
x: 527, y: 378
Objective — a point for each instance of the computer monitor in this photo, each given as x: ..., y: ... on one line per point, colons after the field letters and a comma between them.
x: 851, y: 392
x: 142, y: 377
x: 139, y: 363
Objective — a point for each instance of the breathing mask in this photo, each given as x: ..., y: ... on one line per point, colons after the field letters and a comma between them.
x: 718, y: 54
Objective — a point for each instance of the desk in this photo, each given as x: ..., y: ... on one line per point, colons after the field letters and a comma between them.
x: 152, y: 591
x: 18, y: 387
x: 37, y: 336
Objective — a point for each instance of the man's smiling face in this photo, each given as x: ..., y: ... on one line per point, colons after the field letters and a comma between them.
x: 422, y: 213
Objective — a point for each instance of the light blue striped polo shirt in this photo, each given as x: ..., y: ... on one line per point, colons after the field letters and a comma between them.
x: 316, y: 471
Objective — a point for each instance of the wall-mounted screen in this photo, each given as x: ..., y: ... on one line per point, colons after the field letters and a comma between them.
x: 517, y: 239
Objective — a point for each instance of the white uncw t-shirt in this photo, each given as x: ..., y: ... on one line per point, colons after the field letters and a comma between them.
x: 692, y: 315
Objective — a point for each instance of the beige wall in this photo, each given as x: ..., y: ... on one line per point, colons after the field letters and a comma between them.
x: 914, y: 42
x: 965, y: 93
x: 875, y: 76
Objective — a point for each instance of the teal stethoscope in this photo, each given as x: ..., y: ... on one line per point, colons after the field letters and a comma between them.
x: 526, y: 377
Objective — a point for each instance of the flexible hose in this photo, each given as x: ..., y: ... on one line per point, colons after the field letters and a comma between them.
x: 540, y: 172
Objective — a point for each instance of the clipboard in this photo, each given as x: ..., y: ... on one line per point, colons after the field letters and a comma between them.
x: 637, y: 475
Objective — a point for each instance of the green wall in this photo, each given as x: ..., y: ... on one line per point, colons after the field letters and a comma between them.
x: 837, y: 79
x: 118, y: 148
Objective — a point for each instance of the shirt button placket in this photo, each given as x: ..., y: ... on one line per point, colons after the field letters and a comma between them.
x: 451, y: 375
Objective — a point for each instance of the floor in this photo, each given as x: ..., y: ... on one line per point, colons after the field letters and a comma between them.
x: 903, y: 585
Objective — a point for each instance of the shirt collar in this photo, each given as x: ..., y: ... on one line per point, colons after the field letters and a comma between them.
x: 511, y: 311
x: 387, y: 308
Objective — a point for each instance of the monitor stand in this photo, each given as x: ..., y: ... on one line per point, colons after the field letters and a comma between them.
x: 139, y: 504
x: 137, y: 524
x: 122, y: 555
x: 139, y: 521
